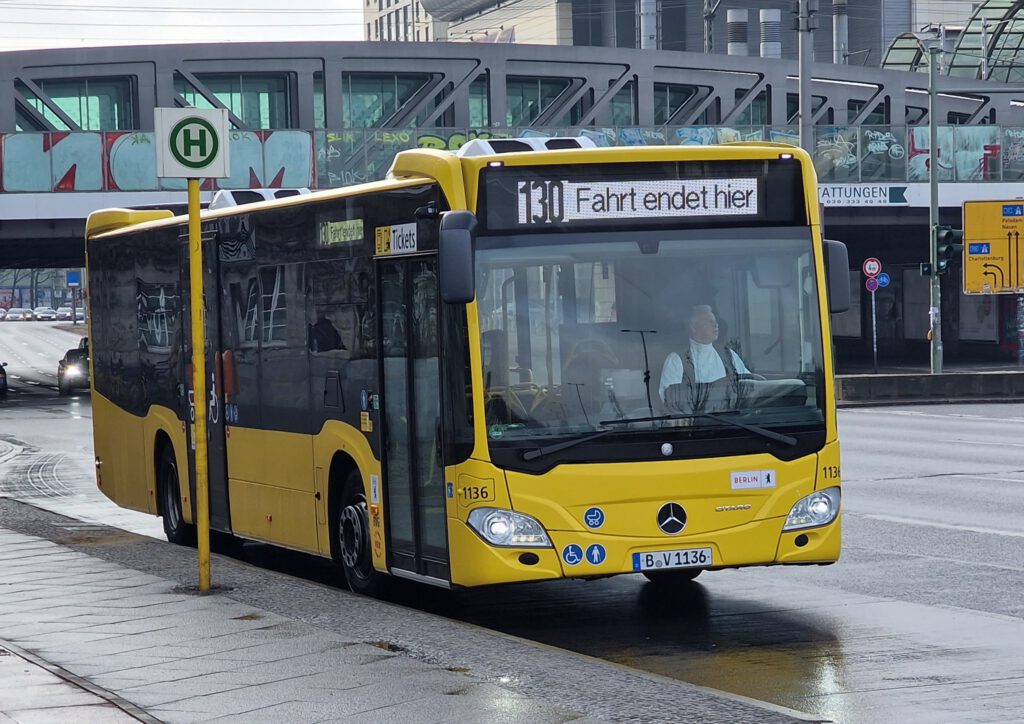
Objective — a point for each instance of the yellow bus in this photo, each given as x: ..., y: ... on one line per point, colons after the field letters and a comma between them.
x: 531, y: 359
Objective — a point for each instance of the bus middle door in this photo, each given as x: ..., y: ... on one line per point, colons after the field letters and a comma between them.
x: 220, y: 516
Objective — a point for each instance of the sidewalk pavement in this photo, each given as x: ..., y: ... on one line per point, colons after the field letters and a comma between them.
x: 119, y: 611
x: 32, y: 690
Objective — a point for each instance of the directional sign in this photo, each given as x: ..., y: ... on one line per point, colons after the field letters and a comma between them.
x: 992, y: 244
x: 191, y: 143
x: 883, y: 279
x: 871, y: 284
x: 872, y: 267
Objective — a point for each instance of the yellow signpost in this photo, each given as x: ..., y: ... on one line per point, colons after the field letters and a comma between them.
x: 192, y: 144
x: 993, y: 231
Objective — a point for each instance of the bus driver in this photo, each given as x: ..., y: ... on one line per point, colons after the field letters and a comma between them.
x: 706, y: 378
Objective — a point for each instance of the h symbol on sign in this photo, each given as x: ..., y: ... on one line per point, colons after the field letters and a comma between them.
x: 189, y: 141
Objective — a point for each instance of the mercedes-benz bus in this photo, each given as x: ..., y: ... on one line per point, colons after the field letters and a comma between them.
x: 484, y: 369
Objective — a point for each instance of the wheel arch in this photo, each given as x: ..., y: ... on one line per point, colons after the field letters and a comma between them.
x: 161, y: 441
x: 342, y: 465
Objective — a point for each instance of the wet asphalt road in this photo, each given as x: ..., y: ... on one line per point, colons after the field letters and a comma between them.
x: 922, y: 620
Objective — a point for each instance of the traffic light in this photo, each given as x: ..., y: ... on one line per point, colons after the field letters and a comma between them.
x: 950, y: 244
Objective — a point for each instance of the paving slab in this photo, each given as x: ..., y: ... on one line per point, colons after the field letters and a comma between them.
x: 33, y: 690
x: 270, y: 647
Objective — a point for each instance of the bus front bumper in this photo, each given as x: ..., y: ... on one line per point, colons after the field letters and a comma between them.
x: 579, y: 554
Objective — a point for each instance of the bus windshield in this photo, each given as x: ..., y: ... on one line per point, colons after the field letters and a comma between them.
x: 679, y: 331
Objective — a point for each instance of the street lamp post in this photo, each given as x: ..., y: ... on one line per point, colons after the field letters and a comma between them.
x: 806, y: 22
x: 935, y: 298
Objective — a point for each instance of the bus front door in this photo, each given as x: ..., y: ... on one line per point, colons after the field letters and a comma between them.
x: 409, y: 334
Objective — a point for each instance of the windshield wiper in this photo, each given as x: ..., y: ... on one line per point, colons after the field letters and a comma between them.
x: 558, y: 446
x: 763, y: 432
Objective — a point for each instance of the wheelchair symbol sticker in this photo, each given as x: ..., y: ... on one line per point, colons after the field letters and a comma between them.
x: 594, y: 517
x: 572, y: 554
x: 596, y: 554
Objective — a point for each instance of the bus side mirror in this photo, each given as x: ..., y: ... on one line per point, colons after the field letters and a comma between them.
x: 837, y: 276
x: 455, y: 257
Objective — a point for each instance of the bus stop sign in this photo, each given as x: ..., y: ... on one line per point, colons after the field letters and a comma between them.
x: 192, y: 143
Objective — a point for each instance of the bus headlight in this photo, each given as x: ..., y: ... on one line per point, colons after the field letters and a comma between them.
x: 819, y: 508
x: 508, y: 528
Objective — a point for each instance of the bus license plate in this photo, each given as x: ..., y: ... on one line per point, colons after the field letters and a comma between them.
x: 663, y: 560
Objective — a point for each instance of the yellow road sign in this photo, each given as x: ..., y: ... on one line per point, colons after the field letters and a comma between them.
x: 993, y: 231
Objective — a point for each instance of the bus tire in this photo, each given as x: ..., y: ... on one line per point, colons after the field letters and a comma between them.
x: 673, y: 578
x: 175, y: 527
x: 351, y: 543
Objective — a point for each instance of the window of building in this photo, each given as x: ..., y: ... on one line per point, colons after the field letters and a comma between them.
x: 96, y: 104
x: 966, y: 61
x: 527, y: 98
x: 757, y: 112
x: 793, y: 109
x: 258, y: 100
x: 623, y: 106
x: 1005, y: 61
x: 405, y: 22
x: 877, y: 117
x: 669, y: 99
x: 371, y: 99
x: 274, y: 305
x: 319, y: 107
x: 25, y: 122
x: 479, y: 103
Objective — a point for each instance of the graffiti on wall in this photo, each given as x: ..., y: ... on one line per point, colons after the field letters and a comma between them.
x: 1013, y: 154
x: 883, y: 154
x: 52, y: 162
x: 349, y: 157
x: 965, y: 153
x: 126, y: 160
x: 836, y: 153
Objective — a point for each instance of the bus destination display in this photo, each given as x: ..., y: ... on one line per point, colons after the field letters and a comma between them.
x: 552, y: 202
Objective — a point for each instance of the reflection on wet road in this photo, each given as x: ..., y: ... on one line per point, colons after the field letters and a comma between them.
x: 921, y: 621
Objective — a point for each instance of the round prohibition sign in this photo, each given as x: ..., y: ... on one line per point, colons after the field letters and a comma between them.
x: 206, y: 142
x: 872, y: 267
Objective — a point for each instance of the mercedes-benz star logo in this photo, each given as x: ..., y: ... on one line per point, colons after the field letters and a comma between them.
x: 672, y: 518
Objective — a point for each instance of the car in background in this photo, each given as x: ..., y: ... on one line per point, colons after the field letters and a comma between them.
x: 17, y: 314
x: 3, y: 380
x: 45, y: 314
x: 64, y: 314
x: 73, y: 369
x: 3, y: 314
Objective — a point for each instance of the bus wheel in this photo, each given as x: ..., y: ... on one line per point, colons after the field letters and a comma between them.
x: 352, y: 540
x: 175, y: 527
x: 672, y: 578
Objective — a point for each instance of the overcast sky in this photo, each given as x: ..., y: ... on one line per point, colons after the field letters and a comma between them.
x: 74, y: 23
